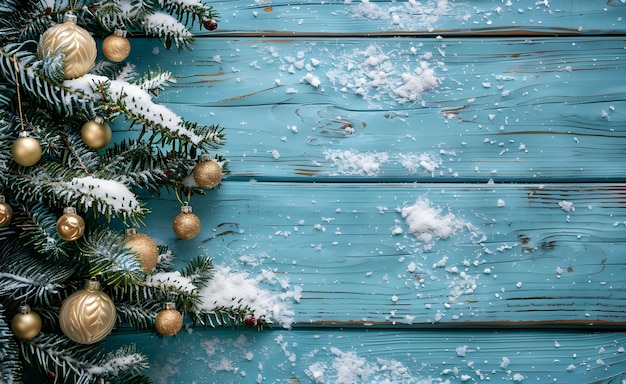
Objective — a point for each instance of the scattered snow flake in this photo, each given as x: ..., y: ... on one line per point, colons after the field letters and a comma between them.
x: 350, y: 162
x: 567, y: 206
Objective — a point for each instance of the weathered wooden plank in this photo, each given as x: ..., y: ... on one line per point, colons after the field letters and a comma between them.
x: 424, y: 16
x: 458, y: 255
x: 507, y: 109
x: 344, y: 356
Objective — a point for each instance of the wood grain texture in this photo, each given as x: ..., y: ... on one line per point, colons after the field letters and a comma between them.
x: 385, y: 356
x: 509, y: 109
x: 522, y: 261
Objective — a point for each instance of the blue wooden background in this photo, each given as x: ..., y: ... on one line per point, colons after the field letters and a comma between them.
x: 520, y: 142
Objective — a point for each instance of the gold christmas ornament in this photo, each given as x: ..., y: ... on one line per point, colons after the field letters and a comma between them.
x: 87, y: 315
x: 77, y: 44
x: 70, y: 226
x: 26, y: 151
x: 144, y: 246
x: 116, y: 47
x: 96, y: 133
x: 207, y: 173
x: 168, y: 321
x: 6, y: 212
x: 26, y: 324
x: 186, y: 224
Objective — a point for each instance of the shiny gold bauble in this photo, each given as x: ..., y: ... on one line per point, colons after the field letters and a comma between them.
x: 168, y: 321
x: 6, y: 212
x: 116, y: 47
x: 96, y: 133
x: 77, y: 44
x: 70, y: 226
x: 207, y: 174
x: 26, y: 151
x: 88, y: 315
x: 26, y: 324
x: 186, y: 224
x: 144, y: 246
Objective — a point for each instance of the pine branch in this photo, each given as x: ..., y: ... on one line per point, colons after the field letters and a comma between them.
x: 24, y: 277
x: 199, y: 271
x: 10, y: 366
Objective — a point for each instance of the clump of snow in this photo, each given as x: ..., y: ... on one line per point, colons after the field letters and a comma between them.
x: 410, y: 15
x: 567, y: 206
x: 350, y: 162
x: 232, y: 289
x: 427, y: 161
x: 429, y: 223
x: 174, y: 280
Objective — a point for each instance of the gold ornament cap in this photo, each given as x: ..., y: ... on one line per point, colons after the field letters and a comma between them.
x: 186, y: 224
x: 70, y: 226
x: 26, y: 324
x: 168, y: 321
x: 6, y: 212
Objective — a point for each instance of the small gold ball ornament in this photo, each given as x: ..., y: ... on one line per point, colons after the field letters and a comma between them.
x: 207, y: 173
x: 144, y: 246
x: 116, y: 46
x: 96, y: 133
x: 70, y: 226
x: 186, y: 224
x: 26, y: 150
x: 77, y: 44
x: 168, y: 321
x: 26, y: 324
x: 6, y: 212
x: 87, y: 315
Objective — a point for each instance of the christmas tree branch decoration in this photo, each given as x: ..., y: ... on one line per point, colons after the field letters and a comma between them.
x: 70, y: 276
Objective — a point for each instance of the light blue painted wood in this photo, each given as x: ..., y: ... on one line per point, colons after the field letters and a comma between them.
x: 424, y: 16
x: 508, y: 109
x: 379, y: 356
x: 516, y: 255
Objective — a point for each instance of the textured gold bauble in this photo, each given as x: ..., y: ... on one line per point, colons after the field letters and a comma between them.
x: 207, y: 174
x: 70, y: 226
x: 88, y: 315
x: 116, y: 47
x: 168, y: 321
x: 186, y: 224
x: 26, y: 324
x: 144, y: 246
x: 96, y: 133
x: 6, y: 212
x: 26, y: 151
x: 77, y: 44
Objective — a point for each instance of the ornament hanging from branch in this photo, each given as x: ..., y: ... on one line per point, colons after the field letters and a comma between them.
x: 96, y: 133
x: 207, y: 173
x: 6, y: 212
x: 74, y: 41
x: 26, y: 324
x: 70, y: 226
x: 87, y: 315
x: 116, y: 46
x: 186, y: 224
x: 168, y: 321
x: 144, y: 246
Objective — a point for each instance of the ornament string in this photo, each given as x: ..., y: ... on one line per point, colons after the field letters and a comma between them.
x: 19, y: 96
x: 180, y: 200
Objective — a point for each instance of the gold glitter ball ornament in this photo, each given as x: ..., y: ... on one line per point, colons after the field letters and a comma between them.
x: 116, y: 46
x: 26, y: 324
x: 26, y: 151
x: 70, y: 226
x: 186, y: 224
x: 73, y: 40
x: 87, y: 315
x: 207, y: 173
x: 96, y: 133
x: 168, y: 321
x: 6, y: 212
x: 144, y: 246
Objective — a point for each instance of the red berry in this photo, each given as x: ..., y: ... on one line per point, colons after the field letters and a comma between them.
x: 210, y: 24
x: 249, y: 321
